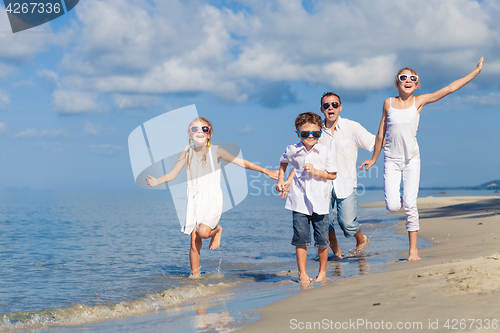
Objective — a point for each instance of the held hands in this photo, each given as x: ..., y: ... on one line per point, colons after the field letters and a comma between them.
x: 368, y: 163
x: 283, y: 188
x: 152, y: 181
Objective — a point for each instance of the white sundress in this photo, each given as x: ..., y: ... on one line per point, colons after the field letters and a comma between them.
x: 204, y: 193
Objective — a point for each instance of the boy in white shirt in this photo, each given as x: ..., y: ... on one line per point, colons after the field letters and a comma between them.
x: 309, y: 196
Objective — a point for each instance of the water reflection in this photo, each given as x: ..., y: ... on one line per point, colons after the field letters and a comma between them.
x: 212, y: 322
x: 363, y: 267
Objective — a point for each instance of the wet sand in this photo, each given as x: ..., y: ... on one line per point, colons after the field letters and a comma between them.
x: 456, y: 285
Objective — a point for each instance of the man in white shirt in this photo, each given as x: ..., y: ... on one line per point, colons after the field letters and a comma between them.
x: 344, y: 137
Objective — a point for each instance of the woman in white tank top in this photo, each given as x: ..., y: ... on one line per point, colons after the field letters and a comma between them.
x: 400, y: 117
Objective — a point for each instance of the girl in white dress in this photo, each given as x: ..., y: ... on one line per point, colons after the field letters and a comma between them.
x: 400, y: 117
x: 204, y: 194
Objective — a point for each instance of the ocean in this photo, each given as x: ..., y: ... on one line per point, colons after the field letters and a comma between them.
x: 105, y: 261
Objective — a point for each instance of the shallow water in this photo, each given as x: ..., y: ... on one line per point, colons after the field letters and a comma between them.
x: 76, y: 257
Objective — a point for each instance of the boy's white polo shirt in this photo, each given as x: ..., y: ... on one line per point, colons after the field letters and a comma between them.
x: 309, y: 194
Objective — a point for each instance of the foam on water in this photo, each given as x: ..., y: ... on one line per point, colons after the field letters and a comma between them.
x: 80, y: 314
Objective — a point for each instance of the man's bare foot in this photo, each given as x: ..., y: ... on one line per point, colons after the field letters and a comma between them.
x: 304, y: 279
x: 321, y: 277
x: 215, y: 242
x: 413, y: 255
x: 360, y: 248
x: 337, y: 256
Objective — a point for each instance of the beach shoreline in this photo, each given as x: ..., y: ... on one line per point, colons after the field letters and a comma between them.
x: 454, y: 286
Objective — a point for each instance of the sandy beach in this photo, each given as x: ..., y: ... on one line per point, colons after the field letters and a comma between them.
x: 456, y: 285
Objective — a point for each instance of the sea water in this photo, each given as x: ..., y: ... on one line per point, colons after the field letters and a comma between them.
x: 85, y: 257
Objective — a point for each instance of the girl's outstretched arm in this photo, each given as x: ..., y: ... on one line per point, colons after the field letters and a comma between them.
x: 379, y: 138
x: 152, y: 181
x: 424, y: 99
x: 225, y: 156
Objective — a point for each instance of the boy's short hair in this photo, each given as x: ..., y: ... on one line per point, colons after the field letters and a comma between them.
x: 308, y: 118
x: 329, y: 94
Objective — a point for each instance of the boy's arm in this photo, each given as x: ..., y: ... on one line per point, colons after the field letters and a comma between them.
x: 320, y: 173
x: 152, y: 181
x: 225, y: 156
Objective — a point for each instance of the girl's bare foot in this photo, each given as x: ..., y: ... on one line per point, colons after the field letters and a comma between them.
x: 413, y: 255
x: 215, y: 242
x: 304, y: 279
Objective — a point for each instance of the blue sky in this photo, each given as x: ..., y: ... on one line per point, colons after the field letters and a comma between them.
x: 72, y: 90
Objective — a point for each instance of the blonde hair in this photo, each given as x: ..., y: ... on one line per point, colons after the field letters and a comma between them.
x: 396, y: 79
x: 205, y: 149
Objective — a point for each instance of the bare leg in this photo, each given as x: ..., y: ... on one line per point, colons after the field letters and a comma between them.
x: 215, y: 233
x: 337, y: 253
x: 323, y: 258
x: 301, y: 253
x: 194, y: 253
x: 413, y: 253
x: 361, y: 242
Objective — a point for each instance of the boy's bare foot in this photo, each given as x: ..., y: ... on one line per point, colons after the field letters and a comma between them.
x: 215, y: 242
x: 321, y: 277
x: 413, y: 255
x: 360, y: 248
x: 304, y: 279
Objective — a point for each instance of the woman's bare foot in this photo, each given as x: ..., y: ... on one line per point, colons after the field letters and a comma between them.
x: 215, y: 242
x: 321, y: 277
x: 413, y: 255
x: 304, y: 279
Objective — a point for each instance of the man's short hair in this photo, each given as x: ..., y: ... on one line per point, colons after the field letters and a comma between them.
x: 308, y: 118
x: 330, y: 94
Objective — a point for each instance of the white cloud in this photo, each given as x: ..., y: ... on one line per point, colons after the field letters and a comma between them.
x: 92, y: 129
x: 4, y: 99
x: 105, y: 149
x: 158, y: 47
x: 246, y: 129
x: 3, y: 127
x: 22, y: 46
x: 49, y: 75
x: 47, y: 133
x: 29, y: 133
x: 135, y: 101
x: 74, y: 102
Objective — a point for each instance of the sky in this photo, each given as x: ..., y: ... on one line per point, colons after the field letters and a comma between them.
x: 72, y: 90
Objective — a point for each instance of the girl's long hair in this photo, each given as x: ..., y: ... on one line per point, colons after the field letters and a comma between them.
x: 205, y: 149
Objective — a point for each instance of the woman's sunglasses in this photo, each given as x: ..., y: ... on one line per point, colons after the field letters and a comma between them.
x: 334, y: 105
x: 306, y: 134
x: 195, y: 129
x: 404, y: 77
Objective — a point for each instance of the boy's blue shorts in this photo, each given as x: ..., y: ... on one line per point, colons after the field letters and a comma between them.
x: 302, y: 230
